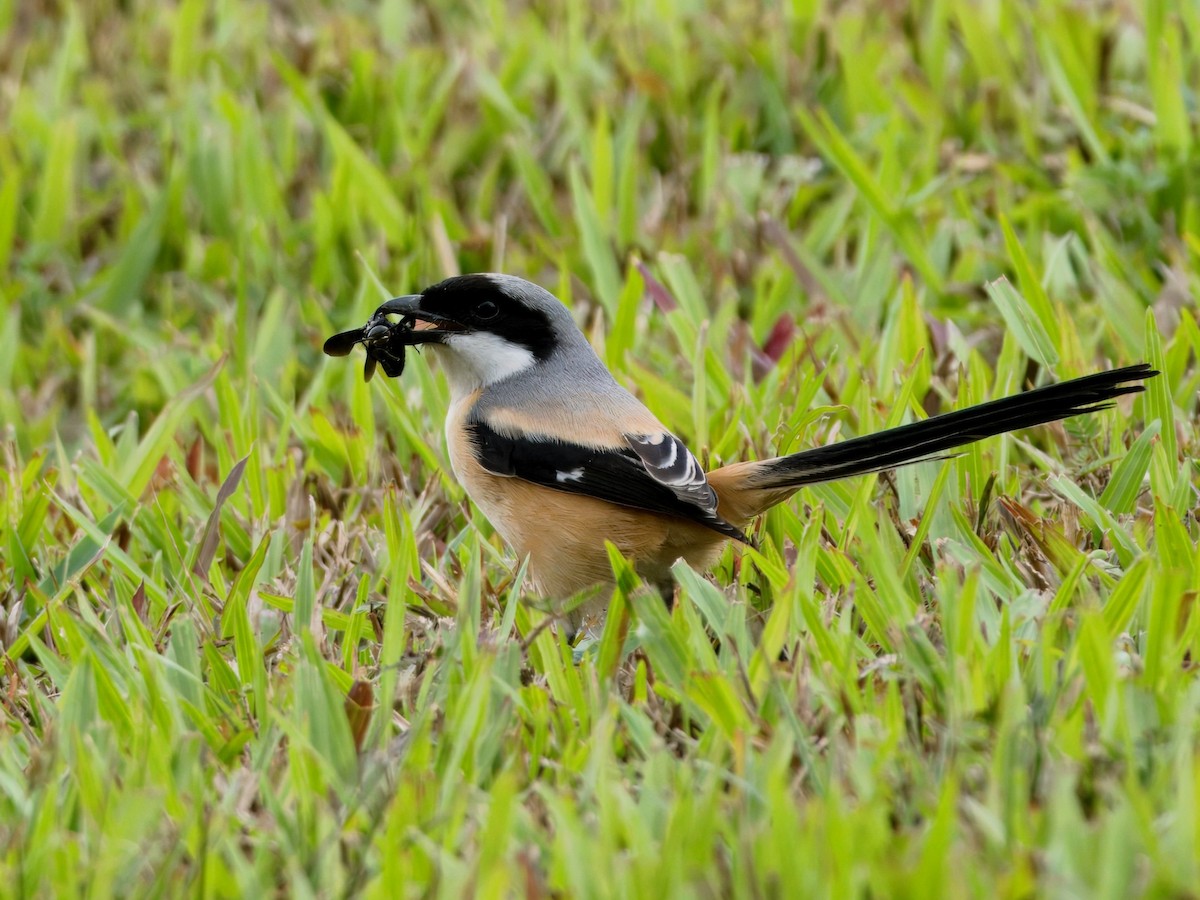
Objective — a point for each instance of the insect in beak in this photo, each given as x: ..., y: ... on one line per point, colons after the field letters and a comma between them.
x: 383, y: 340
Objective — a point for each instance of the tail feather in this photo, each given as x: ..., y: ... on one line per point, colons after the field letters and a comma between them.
x: 932, y: 437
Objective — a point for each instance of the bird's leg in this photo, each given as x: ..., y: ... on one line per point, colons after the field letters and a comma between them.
x: 666, y: 590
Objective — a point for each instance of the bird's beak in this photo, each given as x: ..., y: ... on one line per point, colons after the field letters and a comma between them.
x: 425, y: 327
x: 408, y: 305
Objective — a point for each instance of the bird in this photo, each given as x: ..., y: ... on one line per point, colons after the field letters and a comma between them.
x: 561, y: 458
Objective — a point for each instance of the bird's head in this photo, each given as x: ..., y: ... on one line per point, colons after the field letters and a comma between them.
x: 485, y: 328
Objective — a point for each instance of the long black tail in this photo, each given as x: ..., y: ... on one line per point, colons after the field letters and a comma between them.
x: 926, y: 439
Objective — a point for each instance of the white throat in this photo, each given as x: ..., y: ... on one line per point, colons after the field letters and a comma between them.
x: 479, y: 359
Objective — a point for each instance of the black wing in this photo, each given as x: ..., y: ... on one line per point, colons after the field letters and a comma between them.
x: 654, y: 473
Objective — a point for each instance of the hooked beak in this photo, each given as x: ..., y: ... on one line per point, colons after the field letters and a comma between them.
x: 409, y: 307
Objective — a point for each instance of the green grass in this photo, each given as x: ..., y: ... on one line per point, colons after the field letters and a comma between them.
x: 255, y: 638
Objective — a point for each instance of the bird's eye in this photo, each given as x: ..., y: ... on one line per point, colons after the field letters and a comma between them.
x: 486, y: 310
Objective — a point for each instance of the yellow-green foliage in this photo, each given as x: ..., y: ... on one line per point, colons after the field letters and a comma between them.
x: 257, y: 642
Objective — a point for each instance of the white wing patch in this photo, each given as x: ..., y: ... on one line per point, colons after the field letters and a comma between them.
x: 573, y: 475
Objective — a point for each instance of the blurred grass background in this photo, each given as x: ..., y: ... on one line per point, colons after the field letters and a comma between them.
x: 257, y: 641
